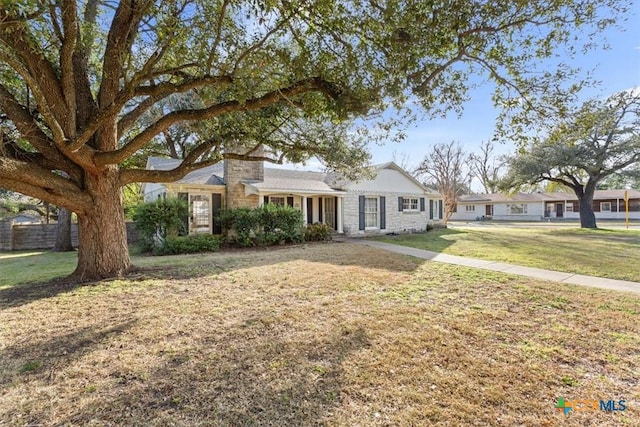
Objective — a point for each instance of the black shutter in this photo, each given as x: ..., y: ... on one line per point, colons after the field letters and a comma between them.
x: 335, y: 213
x: 440, y: 209
x: 216, y: 202
x: 184, y: 230
x: 430, y: 209
x: 400, y: 203
x: 361, y: 212
x: 266, y: 199
x: 320, y: 209
x: 421, y: 204
x: 290, y: 201
x: 383, y: 213
x: 309, y: 210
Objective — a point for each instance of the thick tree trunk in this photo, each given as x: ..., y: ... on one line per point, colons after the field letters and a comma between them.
x: 102, y: 235
x: 63, y: 232
x: 587, y: 216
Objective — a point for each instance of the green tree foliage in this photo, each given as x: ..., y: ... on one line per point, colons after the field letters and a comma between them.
x: 85, y: 85
x: 601, y: 139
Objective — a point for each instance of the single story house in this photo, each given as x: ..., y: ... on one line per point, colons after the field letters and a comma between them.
x: 390, y: 201
x: 607, y: 204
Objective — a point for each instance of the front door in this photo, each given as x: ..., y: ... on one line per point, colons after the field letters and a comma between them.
x: 199, y: 214
x: 559, y: 210
x: 488, y: 210
x: 330, y: 212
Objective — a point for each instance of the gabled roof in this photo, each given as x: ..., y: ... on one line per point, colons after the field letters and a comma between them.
x: 335, y: 180
x: 210, y: 175
x: 276, y: 179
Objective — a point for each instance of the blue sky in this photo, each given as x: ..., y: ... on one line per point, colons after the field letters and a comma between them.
x: 618, y: 68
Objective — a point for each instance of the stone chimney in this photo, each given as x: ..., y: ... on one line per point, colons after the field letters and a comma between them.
x: 236, y: 171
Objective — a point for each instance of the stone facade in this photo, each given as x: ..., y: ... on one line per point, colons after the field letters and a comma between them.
x: 396, y: 221
x: 236, y: 171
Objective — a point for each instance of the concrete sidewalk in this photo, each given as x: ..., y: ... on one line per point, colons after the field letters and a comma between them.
x: 537, y: 273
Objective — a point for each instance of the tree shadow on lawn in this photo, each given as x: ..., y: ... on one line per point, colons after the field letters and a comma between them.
x: 179, y: 267
x: 247, y: 374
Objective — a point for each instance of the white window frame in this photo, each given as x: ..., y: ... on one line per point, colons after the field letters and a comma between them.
x: 603, y: 204
x: 410, y: 204
x: 371, y: 214
x: 568, y: 207
x: 522, y: 206
x: 470, y: 208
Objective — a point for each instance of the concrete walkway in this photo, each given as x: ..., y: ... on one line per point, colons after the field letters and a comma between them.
x: 537, y: 273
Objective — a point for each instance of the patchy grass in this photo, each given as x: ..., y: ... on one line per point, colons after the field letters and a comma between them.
x: 601, y: 253
x: 23, y: 267
x: 329, y: 334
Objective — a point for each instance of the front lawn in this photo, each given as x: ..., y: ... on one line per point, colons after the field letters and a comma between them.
x: 330, y: 334
x: 603, y: 253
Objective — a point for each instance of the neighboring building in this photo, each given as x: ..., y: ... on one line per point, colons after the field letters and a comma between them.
x: 607, y: 204
x: 391, y: 201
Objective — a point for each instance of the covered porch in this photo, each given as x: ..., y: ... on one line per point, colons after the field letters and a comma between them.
x: 318, y: 206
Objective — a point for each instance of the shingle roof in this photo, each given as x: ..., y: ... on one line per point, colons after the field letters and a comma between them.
x: 210, y: 175
x: 292, y: 180
x: 274, y: 178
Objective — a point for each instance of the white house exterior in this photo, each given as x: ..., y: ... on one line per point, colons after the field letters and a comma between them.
x: 391, y: 201
x: 607, y: 204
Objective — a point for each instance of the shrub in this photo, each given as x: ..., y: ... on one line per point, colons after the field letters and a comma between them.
x: 241, y: 224
x: 263, y: 226
x: 158, y: 220
x: 317, y: 232
x: 176, y: 245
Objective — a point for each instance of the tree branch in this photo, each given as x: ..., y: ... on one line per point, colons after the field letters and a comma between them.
x: 123, y: 28
x: 31, y: 179
x: 315, y: 84
x: 70, y: 25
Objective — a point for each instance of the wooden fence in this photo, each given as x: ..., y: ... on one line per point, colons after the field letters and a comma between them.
x: 21, y: 237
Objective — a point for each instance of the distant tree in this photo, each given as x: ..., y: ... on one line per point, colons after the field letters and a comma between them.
x: 445, y: 168
x: 403, y: 160
x: 625, y: 178
x: 487, y: 167
x: 63, y: 241
x: 600, y: 139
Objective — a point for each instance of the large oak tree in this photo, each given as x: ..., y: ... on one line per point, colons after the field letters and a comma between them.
x: 77, y: 78
x: 601, y: 139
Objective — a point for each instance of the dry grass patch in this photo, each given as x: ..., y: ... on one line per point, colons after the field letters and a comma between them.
x: 332, y: 334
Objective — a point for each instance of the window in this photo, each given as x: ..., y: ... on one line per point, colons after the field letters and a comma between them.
x: 278, y: 201
x: 569, y: 207
x: 518, y: 209
x: 371, y: 212
x: 470, y: 208
x: 410, y: 204
x: 605, y: 207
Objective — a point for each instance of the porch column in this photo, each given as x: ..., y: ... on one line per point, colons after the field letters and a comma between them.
x: 339, y: 219
x: 260, y: 200
x: 304, y: 209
